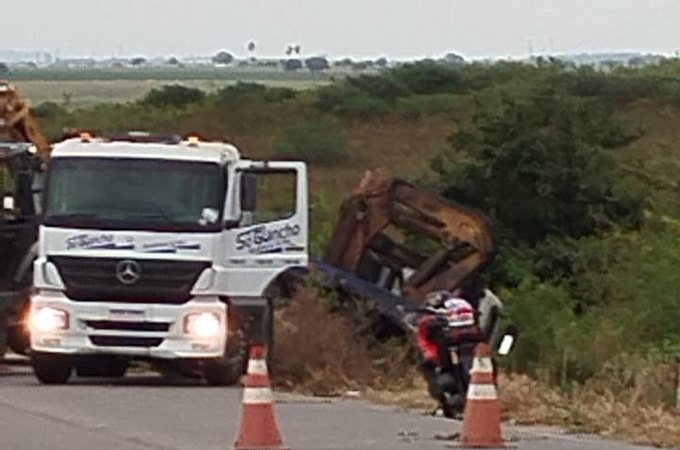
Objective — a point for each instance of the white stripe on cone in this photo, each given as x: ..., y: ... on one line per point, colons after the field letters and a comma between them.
x: 257, y: 396
x: 482, y: 365
x: 482, y: 392
x: 257, y: 367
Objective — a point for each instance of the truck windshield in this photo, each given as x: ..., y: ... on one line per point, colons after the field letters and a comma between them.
x: 134, y: 194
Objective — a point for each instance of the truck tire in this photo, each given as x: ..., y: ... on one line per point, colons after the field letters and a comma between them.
x: 101, y: 367
x: 228, y: 370
x: 268, y: 330
x: 4, y: 335
x: 51, y: 368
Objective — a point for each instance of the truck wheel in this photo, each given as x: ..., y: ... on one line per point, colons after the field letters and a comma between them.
x: 268, y: 330
x: 101, y: 367
x: 51, y: 368
x: 18, y: 340
x: 228, y: 370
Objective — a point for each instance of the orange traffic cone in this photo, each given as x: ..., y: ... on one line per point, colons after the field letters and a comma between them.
x: 259, y: 427
x: 482, y: 418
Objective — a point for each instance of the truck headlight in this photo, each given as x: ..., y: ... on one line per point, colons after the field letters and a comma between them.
x: 202, y: 325
x: 47, y: 319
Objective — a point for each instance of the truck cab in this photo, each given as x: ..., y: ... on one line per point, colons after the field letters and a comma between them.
x: 164, y: 250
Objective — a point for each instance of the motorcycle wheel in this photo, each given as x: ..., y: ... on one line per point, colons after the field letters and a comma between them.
x: 453, y: 406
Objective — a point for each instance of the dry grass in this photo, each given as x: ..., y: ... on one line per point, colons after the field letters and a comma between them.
x: 591, y: 408
x: 317, y: 352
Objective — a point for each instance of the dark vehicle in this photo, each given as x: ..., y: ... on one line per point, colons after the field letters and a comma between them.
x: 20, y: 185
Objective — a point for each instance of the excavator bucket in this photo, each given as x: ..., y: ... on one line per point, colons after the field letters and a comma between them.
x: 384, y: 213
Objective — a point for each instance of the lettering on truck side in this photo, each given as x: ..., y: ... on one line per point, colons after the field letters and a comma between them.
x: 262, y: 239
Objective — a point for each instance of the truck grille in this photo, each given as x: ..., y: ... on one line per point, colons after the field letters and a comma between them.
x: 159, y: 281
x: 128, y: 326
x: 124, y: 341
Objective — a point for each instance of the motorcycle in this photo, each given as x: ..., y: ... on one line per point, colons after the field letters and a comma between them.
x: 447, y: 344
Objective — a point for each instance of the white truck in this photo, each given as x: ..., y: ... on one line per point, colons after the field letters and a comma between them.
x: 161, y: 249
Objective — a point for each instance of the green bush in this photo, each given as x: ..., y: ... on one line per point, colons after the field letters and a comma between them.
x: 349, y: 101
x: 362, y: 107
x: 427, y: 77
x: 418, y: 105
x: 172, y: 96
x: 543, y: 166
x: 316, y: 141
x: 240, y: 90
x: 614, y: 89
x: 279, y: 94
x: 384, y: 87
x: 49, y: 110
x: 628, y: 283
x: 329, y: 98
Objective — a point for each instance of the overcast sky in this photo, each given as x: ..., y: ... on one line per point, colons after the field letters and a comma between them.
x: 357, y: 28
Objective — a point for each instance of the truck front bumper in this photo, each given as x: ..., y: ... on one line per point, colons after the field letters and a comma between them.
x: 128, y: 329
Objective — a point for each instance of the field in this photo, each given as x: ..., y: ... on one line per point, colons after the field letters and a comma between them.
x: 85, y: 93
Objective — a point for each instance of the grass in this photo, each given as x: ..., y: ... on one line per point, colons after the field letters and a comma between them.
x: 86, y: 93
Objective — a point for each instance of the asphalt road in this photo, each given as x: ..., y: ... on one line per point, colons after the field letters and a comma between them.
x: 144, y: 412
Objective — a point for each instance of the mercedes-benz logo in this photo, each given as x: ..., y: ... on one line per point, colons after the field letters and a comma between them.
x: 128, y: 271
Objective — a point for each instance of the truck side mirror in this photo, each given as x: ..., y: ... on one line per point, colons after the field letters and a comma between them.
x: 248, y: 192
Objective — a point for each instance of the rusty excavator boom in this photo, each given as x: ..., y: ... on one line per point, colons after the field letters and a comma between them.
x: 361, y: 242
x: 17, y: 120
x: 395, y: 242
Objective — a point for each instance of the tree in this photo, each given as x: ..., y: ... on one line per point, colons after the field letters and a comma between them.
x: 292, y: 64
x: 428, y: 77
x: 138, y: 61
x: 454, y: 59
x: 317, y: 63
x: 543, y: 166
x: 381, y: 62
x: 223, y: 57
x: 172, y: 61
x: 4, y: 69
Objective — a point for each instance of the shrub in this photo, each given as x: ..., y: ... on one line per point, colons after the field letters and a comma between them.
x: 315, y: 141
x: 240, y: 90
x: 427, y: 77
x: 279, y: 94
x: 362, y: 107
x: 614, y: 89
x: 349, y: 101
x: 329, y: 98
x: 383, y: 87
x: 174, y: 96
x: 543, y: 166
x: 49, y: 110
x: 417, y: 105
